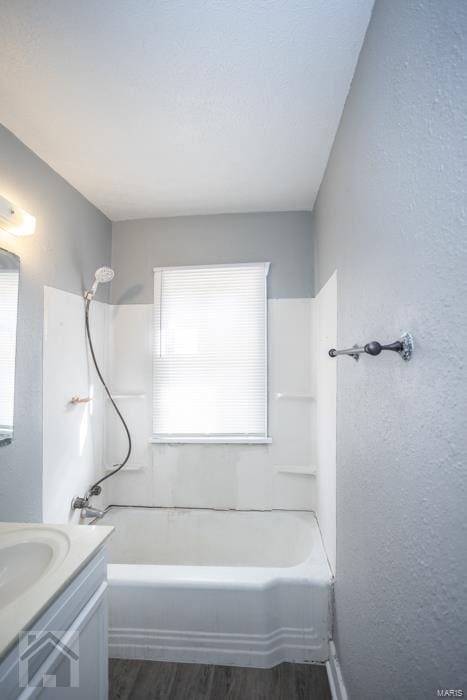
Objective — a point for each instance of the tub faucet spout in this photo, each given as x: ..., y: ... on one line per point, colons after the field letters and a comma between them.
x: 89, y: 512
x: 83, y: 504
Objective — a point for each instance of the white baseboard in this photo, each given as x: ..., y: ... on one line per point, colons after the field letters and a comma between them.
x: 336, y: 682
x: 256, y: 650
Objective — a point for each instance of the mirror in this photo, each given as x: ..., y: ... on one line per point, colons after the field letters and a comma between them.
x: 9, y: 283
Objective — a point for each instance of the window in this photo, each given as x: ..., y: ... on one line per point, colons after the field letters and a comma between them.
x: 210, y: 354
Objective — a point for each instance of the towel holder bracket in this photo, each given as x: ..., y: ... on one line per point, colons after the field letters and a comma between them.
x: 403, y: 346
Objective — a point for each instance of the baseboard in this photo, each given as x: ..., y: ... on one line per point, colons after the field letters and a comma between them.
x: 256, y: 650
x: 336, y: 682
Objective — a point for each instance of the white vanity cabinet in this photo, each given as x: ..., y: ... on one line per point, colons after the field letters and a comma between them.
x: 65, y: 654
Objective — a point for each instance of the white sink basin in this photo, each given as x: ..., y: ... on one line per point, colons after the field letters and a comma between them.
x: 26, y: 556
x: 37, y: 561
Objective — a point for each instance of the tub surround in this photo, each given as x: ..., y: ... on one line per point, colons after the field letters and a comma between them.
x: 73, y: 442
x: 323, y: 425
x: 73, y: 546
x: 207, y: 475
x: 81, y: 442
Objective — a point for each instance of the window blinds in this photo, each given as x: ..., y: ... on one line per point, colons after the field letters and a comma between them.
x: 9, y: 280
x: 210, y: 353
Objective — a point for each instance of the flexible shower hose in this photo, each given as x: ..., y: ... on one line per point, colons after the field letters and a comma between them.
x: 95, y: 488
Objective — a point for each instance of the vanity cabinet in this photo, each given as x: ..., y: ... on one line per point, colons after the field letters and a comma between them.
x: 65, y: 653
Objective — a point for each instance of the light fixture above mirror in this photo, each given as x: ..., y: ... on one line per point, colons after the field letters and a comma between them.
x: 15, y: 220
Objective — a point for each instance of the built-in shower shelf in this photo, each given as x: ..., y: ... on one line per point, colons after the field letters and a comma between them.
x: 301, y: 469
x: 303, y: 397
x: 119, y: 397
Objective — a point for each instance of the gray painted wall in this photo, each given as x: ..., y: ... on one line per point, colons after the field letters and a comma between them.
x: 72, y: 239
x: 389, y: 217
x: 283, y: 238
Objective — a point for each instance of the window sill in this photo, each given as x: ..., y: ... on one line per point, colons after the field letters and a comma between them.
x: 211, y: 440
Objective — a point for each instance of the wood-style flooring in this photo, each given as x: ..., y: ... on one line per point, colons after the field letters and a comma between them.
x: 157, y: 680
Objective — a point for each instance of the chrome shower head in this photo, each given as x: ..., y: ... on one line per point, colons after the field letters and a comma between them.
x: 101, y: 276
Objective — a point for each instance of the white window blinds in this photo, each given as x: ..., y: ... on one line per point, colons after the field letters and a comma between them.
x: 210, y: 353
x: 9, y: 280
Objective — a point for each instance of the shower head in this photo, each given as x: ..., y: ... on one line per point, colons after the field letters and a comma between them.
x: 102, y: 275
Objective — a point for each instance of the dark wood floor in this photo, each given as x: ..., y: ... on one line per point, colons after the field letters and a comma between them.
x: 151, y: 680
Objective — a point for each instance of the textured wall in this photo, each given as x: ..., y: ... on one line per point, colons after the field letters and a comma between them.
x: 283, y: 238
x: 389, y: 217
x: 72, y: 239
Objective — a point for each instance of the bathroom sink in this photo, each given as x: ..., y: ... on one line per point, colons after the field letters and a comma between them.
x: 26, y: 556
x: 37, y: 561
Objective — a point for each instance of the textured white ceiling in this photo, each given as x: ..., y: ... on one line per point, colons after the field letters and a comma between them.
x: 158, y: 108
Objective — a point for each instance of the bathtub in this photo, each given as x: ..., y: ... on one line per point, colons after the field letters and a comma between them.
x: 240, y: 588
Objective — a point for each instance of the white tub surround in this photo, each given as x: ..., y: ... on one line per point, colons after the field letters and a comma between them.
x: 230, y: 587
x: 73, y: 434
x: 243, y: 476
x: 57, y: 551
x: 324, y: 373
x: 82, y: 441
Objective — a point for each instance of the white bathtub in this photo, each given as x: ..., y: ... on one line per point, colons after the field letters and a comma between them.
x: 229, y: 587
